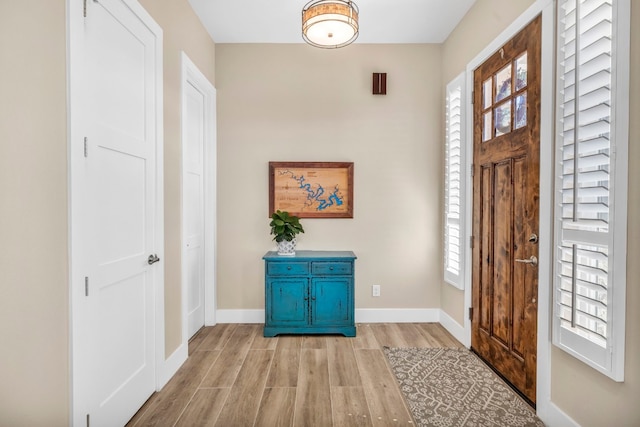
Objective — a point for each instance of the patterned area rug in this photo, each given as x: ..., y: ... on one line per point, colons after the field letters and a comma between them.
x: 452, y: 387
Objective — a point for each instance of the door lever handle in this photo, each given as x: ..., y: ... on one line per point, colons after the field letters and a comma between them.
x: 533, y: 261
x: 153, y: 258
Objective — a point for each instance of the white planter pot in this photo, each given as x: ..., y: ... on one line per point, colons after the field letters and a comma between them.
x: 287, y: 248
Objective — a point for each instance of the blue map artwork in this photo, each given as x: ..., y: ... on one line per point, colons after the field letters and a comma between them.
x: 317, y: 195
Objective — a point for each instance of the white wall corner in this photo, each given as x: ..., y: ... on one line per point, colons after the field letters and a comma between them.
x: 171, y: 365
x: 454, y: 328
x: 397, y: 315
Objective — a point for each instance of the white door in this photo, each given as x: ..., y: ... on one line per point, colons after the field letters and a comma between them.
x: 198, y: 200
x: 116, y: 214
x: 193, y: 182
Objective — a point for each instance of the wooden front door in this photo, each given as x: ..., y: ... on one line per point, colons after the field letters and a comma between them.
x: 506, y: 165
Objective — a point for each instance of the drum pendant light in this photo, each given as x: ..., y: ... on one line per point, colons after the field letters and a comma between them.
x: 330, y: 24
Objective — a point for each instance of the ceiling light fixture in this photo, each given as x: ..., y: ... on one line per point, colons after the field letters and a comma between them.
x: 330, y: 24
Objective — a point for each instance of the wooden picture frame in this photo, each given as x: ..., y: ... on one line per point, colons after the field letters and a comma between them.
x: 311, y: 189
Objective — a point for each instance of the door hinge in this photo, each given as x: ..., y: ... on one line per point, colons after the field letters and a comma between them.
x: 470, y: 313
x: 88, y: 420
x: 472, y: 170
x: 84, y: 14
x: 471, y: 242
x: 86, y: 149
x: 86, y: 286
x: 473, y: 96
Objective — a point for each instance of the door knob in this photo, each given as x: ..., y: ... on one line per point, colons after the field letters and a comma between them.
x: 153, y: 258
x: 533, y: 261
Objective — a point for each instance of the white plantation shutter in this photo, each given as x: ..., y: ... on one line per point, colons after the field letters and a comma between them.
x: 453, y: 192
x: 590, y: 212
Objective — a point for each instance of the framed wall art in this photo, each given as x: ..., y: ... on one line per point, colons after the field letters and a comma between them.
x: 311, y: 189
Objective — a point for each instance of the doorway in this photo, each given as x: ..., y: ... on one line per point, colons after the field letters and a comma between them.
x: 198, y: 201
x: 506, y: 192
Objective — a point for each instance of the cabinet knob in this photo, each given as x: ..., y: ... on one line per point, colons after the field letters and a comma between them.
x: 289, y: 268
x: 330, y: 268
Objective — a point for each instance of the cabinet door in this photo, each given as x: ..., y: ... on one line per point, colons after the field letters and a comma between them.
x: 332, y: 301
x: 287, y: 302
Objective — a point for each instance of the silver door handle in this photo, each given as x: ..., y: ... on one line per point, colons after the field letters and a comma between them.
x: 533, y: 261
x: 153, y: 259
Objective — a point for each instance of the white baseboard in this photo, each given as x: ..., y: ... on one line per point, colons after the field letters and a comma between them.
x: 171, y: 365
x: 240, y: 316
x: 452, y: 326
x: 553, y: 416
x: 396, y: 315
x: 363, y: 315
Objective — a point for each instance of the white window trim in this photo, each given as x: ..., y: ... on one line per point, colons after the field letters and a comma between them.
x: 609, y: 361
x: 457, y: 84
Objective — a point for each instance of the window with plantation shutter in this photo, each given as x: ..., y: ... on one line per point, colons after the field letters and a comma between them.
x: 453, y: 248
x: 591, y: 181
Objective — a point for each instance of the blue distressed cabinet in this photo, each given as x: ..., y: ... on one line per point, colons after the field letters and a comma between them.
x: 309, y: 293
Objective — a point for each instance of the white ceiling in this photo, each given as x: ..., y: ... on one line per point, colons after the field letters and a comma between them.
x: 381, y: 21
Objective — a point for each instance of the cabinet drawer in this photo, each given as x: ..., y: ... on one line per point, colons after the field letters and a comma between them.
x: 287, y: 268
x: 324, y: 268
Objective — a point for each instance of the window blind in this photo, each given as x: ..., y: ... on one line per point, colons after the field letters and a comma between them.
x: 584, y: 311
x: 453, y: 250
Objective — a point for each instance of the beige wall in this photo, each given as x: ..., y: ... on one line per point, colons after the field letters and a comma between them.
x: 182, y: 31
x: 480, y: 26
x: 590, y: 398
x: 33, y: 215
x: 298, y: 103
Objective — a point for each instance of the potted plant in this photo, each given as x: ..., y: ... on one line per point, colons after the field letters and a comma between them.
x: 284, y: 227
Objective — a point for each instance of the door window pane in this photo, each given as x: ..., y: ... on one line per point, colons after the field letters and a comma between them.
x: 486, y: 126
x: 503, y: 118
x: 520, y: 108
x: 521, y: 72
x: 487, y: 92
x: 503, y: 83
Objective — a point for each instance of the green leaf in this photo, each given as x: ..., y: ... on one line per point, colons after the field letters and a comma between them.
x: 285, y: 226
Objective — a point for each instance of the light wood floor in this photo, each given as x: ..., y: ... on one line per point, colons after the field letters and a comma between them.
x: 235, y: 377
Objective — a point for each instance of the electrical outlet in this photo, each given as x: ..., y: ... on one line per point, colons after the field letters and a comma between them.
x: 375, y: 290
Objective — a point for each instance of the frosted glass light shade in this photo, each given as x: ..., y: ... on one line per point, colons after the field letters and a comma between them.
x: 330, y: 23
